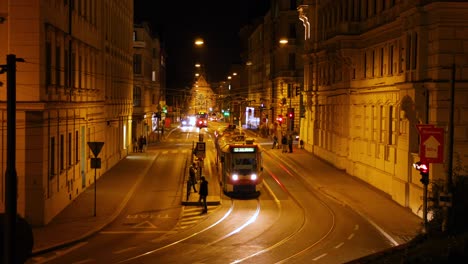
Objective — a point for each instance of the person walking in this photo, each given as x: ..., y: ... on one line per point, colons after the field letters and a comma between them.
x: 203, y: 194
x: 284, y: 143
x: 275, y: 142
x: 290, y: 143
x: 135, y: 145
x: 192, y: 177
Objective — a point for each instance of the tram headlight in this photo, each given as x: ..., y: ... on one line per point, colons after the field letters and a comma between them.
x: 253, y: 176
x: 235, y: 177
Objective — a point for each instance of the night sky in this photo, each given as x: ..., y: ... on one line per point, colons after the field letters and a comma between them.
x: 218, y: 22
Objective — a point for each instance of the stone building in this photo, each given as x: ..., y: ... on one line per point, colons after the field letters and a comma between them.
x: 274, y: 65
x: 74, y: 87
x: 373, y: 70
x: 149, y: 68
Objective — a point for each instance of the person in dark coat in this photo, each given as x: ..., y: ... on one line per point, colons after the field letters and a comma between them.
x: 192, y: 177
x: 203, y: 194
x: 284, y: 143
x: 290, y: 143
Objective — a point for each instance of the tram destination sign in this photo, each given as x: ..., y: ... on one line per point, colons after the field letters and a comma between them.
x: 243, y: 150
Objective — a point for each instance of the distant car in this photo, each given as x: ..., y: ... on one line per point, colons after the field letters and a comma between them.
x: 185, y: 123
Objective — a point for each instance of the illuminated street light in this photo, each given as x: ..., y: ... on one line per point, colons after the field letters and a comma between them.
x: 198, y: 65
x: 283, y: 41
x: 199, y: 41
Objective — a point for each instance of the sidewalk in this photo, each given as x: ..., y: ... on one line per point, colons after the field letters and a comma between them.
x: 76, y: 222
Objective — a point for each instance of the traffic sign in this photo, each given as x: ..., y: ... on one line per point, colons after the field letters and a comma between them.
x: 201, y: 150
x: 431, y: 148
x: 95, y: 147
x: 423, y: 126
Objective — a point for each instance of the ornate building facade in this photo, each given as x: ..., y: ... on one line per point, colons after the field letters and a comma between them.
x: 149, y: 68
x: 74, y: 87
x: 373, y: 70
x: 275, y: 68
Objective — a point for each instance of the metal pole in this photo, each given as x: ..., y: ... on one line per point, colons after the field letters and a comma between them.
x: 95, y: 183
x: 450, y: 132
x: 10, y: 176
x: 449, y: 210
x: 425, y: 208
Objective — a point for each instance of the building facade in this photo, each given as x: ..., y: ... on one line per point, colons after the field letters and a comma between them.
x: 373, y: 70
x: 275, y: 68
x: 74, y: 87
x: 148, y: 84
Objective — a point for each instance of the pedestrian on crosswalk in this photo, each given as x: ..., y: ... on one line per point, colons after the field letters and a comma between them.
x: 203, y: 194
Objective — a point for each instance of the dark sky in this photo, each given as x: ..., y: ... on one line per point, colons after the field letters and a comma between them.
x: 217, y: 21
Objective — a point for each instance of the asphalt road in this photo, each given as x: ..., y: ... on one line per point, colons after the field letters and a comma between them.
x: 291, y: 221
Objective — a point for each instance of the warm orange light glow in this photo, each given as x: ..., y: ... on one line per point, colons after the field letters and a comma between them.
x: 199, y: 41
x: 198, y: 65
x: 283, y: 41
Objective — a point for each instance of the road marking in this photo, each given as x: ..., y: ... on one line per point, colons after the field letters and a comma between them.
x: 339, y: 245
x: 350, y: 236
x: 136, y: 232
x: 124, y: 250
x: 144, y: 224
x: 319, y: 257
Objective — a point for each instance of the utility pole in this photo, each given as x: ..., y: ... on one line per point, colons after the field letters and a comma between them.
x: 11, y: 189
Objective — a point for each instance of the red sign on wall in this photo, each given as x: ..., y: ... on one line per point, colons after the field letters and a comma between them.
x: 431, y: 147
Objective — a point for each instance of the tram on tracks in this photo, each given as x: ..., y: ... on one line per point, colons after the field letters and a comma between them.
x: 241, y: 164
x: 201, y: 119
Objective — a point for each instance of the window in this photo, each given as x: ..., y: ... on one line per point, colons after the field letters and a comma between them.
x: 365, y: 65
x: 76, y: 146
x: 390, y: 57
x: 62, y: 153
x: 72, y: 70
x: 57, y: 66
x: 415, y: 51
x: 66, y: 69
x: 80, y: 65
x: 48, y: 62
x: 52, y: 157
x: 408, y: 52
x: 381, y: 62
x: 69, y: 149
x: 292, y: 5
x: 137, y: 96
x: 292, y: 61
x: 137, y: 63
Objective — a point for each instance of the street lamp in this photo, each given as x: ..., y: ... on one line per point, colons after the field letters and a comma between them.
x: 199, y: 41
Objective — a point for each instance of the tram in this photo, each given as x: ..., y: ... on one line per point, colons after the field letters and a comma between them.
x: 241, y: 164
x: 201, y: 119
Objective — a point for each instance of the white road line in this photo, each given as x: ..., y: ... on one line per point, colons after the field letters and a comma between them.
x: 339, y: 245
x: 319, y: 257
x: 124, y: 250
